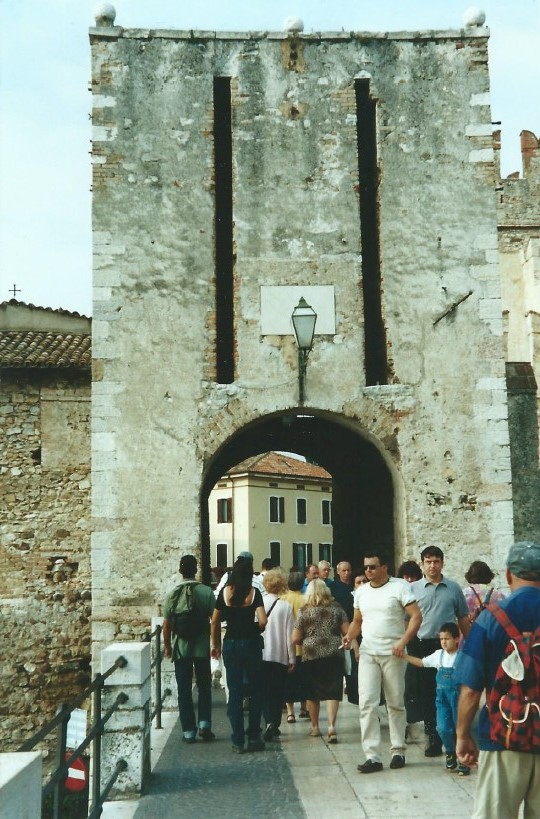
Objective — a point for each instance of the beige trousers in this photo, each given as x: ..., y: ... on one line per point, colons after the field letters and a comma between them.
x: 505, y: 780
x: 386, y: 671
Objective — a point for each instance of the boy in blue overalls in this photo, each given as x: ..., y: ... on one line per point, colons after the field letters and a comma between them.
x: 447, y: 691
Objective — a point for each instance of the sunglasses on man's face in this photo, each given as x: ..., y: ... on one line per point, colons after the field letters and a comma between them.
x: 371, y: 567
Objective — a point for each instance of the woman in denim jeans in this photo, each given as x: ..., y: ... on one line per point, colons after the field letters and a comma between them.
x: 241, y: 607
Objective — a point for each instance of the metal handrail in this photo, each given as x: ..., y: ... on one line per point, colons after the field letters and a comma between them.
x: 60, y: 721
x: 97, y: 809
x: 156, y: 664
x: 96, y: 729
x: 65, y: 710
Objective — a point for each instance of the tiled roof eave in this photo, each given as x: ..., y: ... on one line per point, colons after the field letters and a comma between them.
x: 45, y: 350
x: 279, y: 466
x: 82, y: 368
x: 292, y: 476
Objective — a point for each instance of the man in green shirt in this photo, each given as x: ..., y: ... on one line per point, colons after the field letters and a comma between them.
x: 191, y: 653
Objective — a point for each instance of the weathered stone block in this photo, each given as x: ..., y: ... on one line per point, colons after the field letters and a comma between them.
x: 137, y: 670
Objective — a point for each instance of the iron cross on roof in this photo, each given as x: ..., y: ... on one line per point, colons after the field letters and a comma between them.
x: 14, y: 290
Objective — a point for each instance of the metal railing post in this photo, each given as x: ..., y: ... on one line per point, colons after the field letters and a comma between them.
x: 56, y: 781
x: 96, y: 757
x: 130, y: 728
x: 58, y: 799
x: 158, y: 676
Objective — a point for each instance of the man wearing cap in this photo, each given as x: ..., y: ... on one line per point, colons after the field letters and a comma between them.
x: 505, y: 778
x: 191, y: 654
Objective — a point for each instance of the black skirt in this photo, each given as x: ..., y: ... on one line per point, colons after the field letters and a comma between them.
x: 323, y: 678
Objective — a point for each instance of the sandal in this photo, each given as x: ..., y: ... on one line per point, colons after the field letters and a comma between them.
x: 314, y: 732
x: 303, y: 714
x: 291, y: 718
x: 332, y: 737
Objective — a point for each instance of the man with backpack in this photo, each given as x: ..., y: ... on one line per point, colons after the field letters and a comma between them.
x: 502, y: 655
x: 186, y: 639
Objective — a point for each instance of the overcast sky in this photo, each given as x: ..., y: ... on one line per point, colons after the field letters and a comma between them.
x: 45, y: 231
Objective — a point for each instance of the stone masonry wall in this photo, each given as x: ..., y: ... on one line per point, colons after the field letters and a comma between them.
x: 45, y: 498
x: 518, y: 215
x: 440, y: 425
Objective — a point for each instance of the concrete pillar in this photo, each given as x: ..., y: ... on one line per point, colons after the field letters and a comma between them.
x: 20, y: 785
x: 127, y: 733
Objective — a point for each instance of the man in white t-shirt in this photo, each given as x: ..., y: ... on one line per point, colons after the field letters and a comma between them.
x: 380, y: 606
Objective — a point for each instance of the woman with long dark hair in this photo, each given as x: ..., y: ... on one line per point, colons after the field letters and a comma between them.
x: 241, y: 607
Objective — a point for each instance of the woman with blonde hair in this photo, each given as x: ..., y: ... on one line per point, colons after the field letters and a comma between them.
x: 319, y: 628
x: 278, y: 651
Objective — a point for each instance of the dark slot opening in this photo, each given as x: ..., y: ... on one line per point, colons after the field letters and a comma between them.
x: 223, y: 231
x: 376, y: 364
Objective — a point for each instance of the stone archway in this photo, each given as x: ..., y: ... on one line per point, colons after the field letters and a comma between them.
x: 365, y: 499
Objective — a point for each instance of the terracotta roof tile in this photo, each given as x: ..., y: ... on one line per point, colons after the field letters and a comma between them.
x: 41, y: 349
x: 278, y: 463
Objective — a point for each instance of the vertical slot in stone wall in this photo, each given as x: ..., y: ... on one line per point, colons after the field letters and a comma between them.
x: 376, y: 364
x: 224, y: 257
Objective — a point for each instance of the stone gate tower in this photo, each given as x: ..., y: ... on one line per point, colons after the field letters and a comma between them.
x: 235, y: 173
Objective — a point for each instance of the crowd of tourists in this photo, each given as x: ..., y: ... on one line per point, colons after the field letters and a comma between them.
x: 415, y: 642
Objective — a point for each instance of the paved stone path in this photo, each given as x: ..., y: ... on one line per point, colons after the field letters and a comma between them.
x: 298, y: 777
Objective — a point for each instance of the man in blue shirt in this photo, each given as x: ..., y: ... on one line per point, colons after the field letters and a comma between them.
x: 441, y: 600
x: 506, y: 778
x: 312, y: 573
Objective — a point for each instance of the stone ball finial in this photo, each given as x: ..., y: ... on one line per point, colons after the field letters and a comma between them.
x: 104, y: 14
x: 293, y: 24
x: 474, y: 17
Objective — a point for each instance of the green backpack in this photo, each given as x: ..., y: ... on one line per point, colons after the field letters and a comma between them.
x: 187, y: 622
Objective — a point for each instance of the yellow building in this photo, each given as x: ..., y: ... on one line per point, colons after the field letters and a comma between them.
x: 273, y: 505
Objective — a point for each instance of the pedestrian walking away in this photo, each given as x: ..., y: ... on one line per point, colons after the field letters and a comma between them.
x: 319, y: 628
x: 279, y: 656
x: 190, y: 649
x: 241, y: 607
x: 294, y: 685
x: 508, y: 749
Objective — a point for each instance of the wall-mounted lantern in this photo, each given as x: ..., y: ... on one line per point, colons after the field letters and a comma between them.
x: 303, y: 320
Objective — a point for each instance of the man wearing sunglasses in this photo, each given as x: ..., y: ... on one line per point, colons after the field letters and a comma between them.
x: 380, y: 606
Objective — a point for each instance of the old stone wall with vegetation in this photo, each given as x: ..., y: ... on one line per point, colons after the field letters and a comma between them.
x: 45, y: 578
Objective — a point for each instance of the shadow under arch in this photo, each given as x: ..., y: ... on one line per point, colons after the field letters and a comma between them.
x: 363, y: 494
